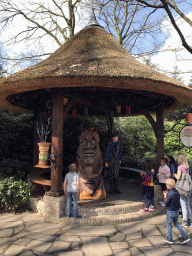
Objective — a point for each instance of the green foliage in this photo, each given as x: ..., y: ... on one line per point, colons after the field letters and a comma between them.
x: 138, y: 139
x: 15, y: 167
x: 14, y: 195
x: 172, y: 143
x: 16, y: 139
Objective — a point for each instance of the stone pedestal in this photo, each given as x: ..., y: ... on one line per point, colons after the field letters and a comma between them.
x: 158, y: 192
x: 54, y: 207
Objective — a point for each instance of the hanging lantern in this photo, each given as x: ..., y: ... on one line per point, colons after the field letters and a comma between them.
x: 128, y: 109
x: 74, y: 112
x: 65, y: 100
x: 118, y: 109
x: 189, y: 118
x: 86, y: 111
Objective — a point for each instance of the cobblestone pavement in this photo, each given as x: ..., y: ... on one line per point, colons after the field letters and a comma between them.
x: 26, y: 235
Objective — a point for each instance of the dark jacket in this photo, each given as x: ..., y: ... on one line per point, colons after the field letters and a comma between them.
x: 172, y: 169
x: 110, y: 153
x: 172, y: 201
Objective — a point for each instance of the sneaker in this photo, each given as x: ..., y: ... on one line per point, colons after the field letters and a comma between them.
x: 189, y: 223
x: 163, y: 205
x: 167, y: 240
x: 152, y: 208
x: 185, y: 224
x: 144, y: 210
x: 78, y: 217
x: 185, y: 240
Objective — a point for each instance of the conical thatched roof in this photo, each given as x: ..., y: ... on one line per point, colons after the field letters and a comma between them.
x: 93, y: 58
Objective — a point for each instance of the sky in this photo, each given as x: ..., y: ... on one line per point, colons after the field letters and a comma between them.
x: 166, y: 59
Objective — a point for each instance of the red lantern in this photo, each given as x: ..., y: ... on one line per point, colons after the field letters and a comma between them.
x: 74, y: 112
x: 118, y: 109
x: 189, y: 118
x: 128, y: 109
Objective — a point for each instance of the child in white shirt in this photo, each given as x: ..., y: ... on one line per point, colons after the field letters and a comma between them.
x: 71, y: 185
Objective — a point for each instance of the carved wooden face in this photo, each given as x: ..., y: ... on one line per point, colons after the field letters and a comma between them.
x: 89, y: 150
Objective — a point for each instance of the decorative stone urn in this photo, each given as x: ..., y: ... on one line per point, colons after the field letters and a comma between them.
x: 43, y: 152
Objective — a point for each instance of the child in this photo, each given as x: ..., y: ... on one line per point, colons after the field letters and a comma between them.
x: 71, y: 184
x: 163, y: 174
x: 148, y: 188
x: 184, y: 199
x: 172, y: 204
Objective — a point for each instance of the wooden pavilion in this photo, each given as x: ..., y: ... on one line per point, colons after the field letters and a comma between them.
x: 92, y: 74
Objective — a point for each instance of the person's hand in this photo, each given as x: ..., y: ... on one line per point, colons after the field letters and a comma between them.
x: 65, y: 191
x: 173, y: 175
x: 165, y: 194
x: 106, y: 165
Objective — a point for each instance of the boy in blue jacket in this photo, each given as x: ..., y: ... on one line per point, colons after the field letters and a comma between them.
x: 172, y: 203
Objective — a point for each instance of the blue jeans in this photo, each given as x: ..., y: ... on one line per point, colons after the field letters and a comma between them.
x: 70, y: 196
x: 172, y: 217
x: 149, y: 202
x: 185, y: 206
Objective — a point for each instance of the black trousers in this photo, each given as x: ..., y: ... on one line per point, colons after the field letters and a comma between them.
x: 113, y: 175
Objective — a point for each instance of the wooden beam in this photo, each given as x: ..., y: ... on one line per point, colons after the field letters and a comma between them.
x: 160, y: 131
x: 150, y: 119
x: 57, y: 145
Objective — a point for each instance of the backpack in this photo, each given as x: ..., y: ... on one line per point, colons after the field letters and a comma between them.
x: 184, y: 184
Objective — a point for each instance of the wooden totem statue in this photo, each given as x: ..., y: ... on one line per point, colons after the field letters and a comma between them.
x: 90, y: 166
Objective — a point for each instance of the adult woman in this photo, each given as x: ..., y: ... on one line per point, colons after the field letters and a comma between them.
x: 163, y: 174
x: 184, y: 199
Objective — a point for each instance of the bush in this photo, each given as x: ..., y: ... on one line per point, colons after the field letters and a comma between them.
x: 14, y: 195
x: 15, y: 168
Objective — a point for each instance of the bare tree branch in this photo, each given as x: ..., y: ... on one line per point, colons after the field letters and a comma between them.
x: 184, y: 43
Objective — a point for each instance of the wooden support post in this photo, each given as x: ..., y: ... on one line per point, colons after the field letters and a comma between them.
x: 57, y: 145
x: 110, y: 124
x: 35, y: 141
x: 160, y: 134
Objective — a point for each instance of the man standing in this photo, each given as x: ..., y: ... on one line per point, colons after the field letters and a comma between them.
x: 112, y: 160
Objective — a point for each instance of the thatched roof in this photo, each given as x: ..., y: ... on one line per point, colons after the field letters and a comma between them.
x: 93, y: 58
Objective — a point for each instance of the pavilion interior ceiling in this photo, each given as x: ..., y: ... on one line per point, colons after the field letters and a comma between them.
x: 97, y: 100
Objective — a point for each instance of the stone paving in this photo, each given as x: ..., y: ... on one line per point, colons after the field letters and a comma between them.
x: 27, y: 235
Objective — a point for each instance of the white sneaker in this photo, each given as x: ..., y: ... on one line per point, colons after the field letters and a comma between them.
x: 163, y: 204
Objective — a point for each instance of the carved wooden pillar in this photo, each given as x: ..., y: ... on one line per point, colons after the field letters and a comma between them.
x: 160, y: 134
x: 57, y: 145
